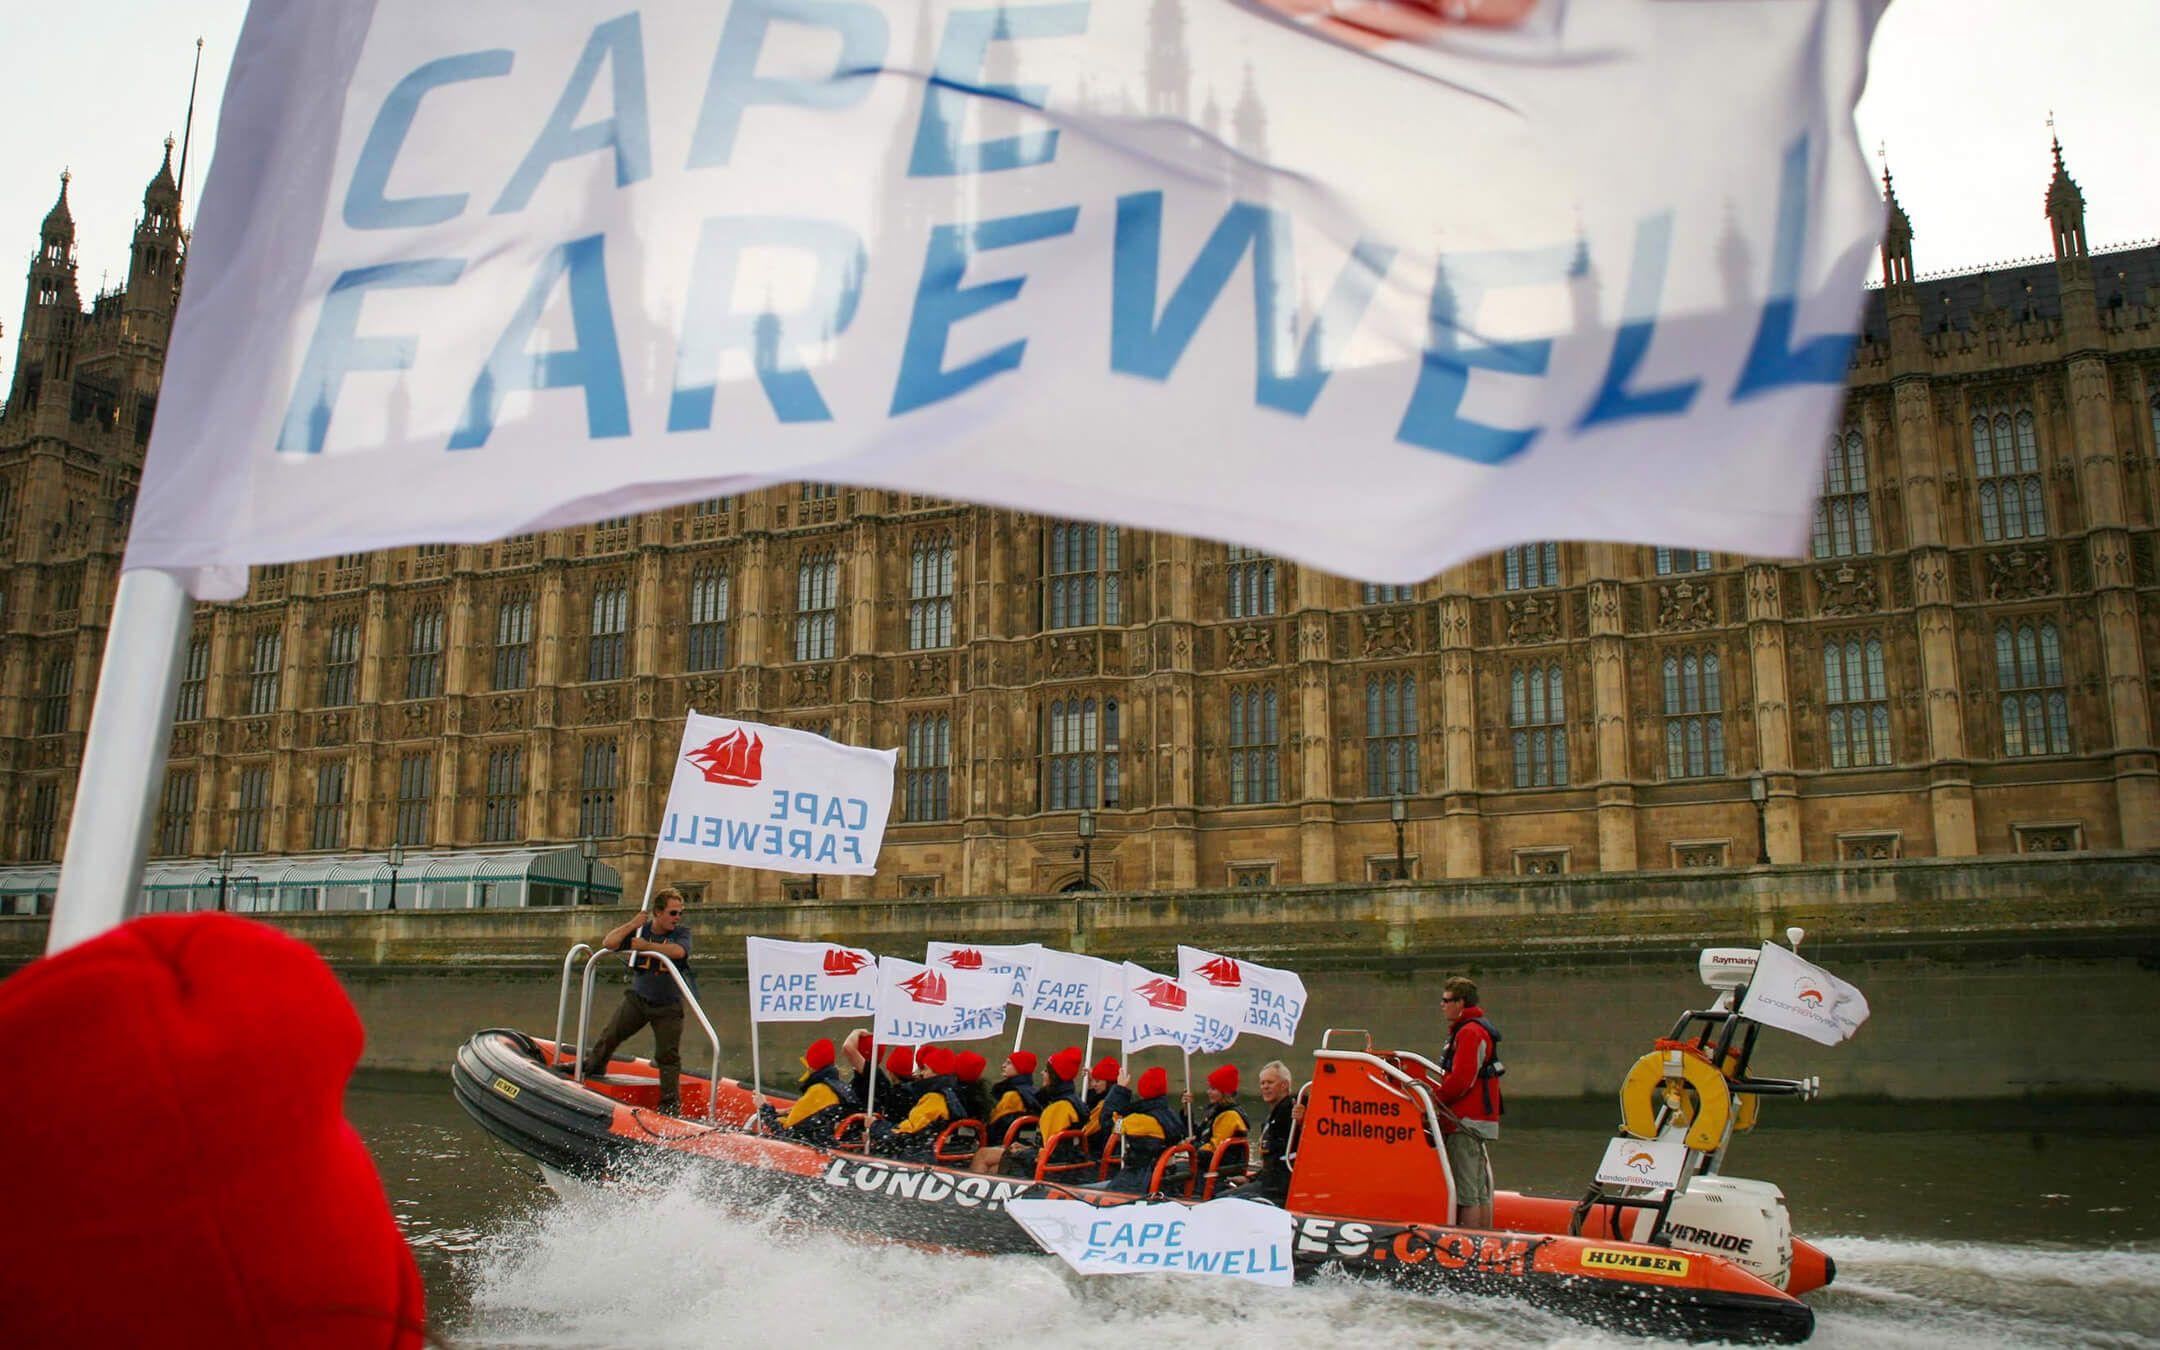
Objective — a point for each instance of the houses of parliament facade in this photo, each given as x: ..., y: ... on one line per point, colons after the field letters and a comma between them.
x: 1967, y: 665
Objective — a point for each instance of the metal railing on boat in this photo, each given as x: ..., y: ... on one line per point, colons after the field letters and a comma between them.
x: 712, y: 1093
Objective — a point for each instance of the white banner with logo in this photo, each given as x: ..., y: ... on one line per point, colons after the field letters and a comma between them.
x: 809, y: 981
x: 749, y: 795
x: 1803, y: 998
x: 1449, y: 276
x: 1077, y: 990
x: 1012, y: 960
x: 1228, y: 1239
x: 1188, y: 1014
x: 1654, y: 1163
x: 1274, y: 1000
x: 917, y: 1003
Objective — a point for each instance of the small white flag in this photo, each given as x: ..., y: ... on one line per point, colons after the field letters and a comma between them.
x: 1228, y: 1239
x: 917, y: 1003
x: 748, y: 795
x: 1185, y: 1013
x: 1274, y: 999
x: 1074, y: 989
x: 1013, y: 960
x: 809, y: 981
x: 1803, y: 998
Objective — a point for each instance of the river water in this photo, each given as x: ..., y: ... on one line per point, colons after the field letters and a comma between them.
x: 1975, y: 1224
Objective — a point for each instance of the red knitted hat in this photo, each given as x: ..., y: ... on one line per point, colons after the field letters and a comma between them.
x: 820, y: 1053
x: 1066, y: 1063
x: 901, y: 1063
x: 211, y: 1180
x: 1154, y: 1083
x: 1224, y: 1079
x: 969, y: 1066
x: 1023, y: 1061
x: 864, y: 1046
x: 1105, y: 1070
x: 938, y: 1060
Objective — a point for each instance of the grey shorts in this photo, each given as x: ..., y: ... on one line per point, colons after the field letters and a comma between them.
x: 1466, y: 1161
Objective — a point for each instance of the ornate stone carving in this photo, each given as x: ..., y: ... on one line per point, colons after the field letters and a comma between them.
x: 2048, y: 838
x: 928, y: 676
x: 1846, y: 589
x: 1684, y: 606
x: 603, y: 703
x: 1391, y: 632
x: 184, y: 740
x: 705, y: 694
x: 255, y: 734
x: 330, y: 728
x: 1699, y: 855
x: 1533, y: 618
x: 1071, y: 655
x: 1931, y: 578
x: 2020, y: 574
x: 505, y: 712
x: 1249, y: 645
x: 810, y: 685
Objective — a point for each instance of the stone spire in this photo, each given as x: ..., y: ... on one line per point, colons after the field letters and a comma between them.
x: 2065, y: 204
x: 1897, y: 266
x: 60, y: 222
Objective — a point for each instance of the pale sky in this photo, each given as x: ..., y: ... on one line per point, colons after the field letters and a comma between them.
x: 1960, y: 91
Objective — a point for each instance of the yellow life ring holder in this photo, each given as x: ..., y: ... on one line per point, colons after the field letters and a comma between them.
x: 1748, y: 1104
x: 1679, y: 1075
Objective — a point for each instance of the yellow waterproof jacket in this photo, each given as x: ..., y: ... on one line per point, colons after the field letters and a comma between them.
x: 932, y: 1110
x: 1059, y: 1115
x: 1227, y: 1123
x: 817, y: 1097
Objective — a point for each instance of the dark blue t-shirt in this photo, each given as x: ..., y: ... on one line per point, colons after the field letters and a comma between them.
x: 652, y: 982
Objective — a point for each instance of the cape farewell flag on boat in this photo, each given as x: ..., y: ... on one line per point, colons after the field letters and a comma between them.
x: 1274, y: 999
x: 1802, y: 998
x: 917, y: 1003
x: 809, y: 981
x: 750, y: 795
x: 1077, y: 990
x: 1188, y: 1014
x: 1450, y: 277
x: 1013, y: 960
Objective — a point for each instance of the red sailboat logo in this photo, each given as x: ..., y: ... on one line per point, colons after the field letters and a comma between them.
x: 967, y: 958
x: 1223, y: 973
x: 840, y: 961
x: 1162, y: 993
x: 734, y: 760
x: 927, y: 987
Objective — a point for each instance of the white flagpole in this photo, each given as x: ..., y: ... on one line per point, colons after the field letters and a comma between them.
x: 123, y: 763
x: 1023, y: 1029
x: 757, y: 1074
x: 1188, y: 1096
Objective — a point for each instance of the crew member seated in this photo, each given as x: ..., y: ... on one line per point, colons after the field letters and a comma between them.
x: 1151, y: 1124
x: 1225, y: 1118
x: 1014, y: 1093
x: 1270, y: 1181
x: 824, y: 1102
x: 1109, y: 1096
x: 1056, y: 1103
x: 897, y: 1087
x: 968, y: 1069
x: 937, y: 1102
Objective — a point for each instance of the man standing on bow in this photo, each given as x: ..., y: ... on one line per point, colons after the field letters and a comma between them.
x: 653, y: 998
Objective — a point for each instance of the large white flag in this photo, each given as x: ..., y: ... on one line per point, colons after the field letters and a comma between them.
x: 1013, y: 960
x: 1274, y: 999
x: 749, y: 795
x: 1078, y: 990
x: 1802, y: 997
x: 809, y: 981
x: 1449, y: 277
x: 1232, y: 1239
x: 1189, y: 1014
x: 917, y: 1003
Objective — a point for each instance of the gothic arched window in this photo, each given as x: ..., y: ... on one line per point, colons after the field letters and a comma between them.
x: 2006, y: 465
x: 1537, y: 711
x: 1844, y: 522
x: 1856, y: 702
x: 2029, y: 678
x: 1694, y: 714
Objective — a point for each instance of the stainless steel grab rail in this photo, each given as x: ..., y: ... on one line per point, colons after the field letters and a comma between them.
x: 712, y: 1095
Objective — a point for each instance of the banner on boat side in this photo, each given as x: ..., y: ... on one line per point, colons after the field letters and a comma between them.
x: 1654, y: 1163
x: 809, y: 981
x: 1189, y: 1014
x: 749, y: 795
x: 1227, y: 1239
x: 1274, y: 1000
x: 1448, y: 277
x: 1077, y: 990
x: 1013, y: 960
x: 1801, y: 997
x: 917, y: 1003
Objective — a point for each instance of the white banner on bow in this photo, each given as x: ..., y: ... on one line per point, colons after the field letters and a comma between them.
x: 464, y: 271
x: 1274, y: 999
x: 1801, y: 997
x: 1160, y: 1010
x: 1013, y: 960
x: 749, y: 795
x: 809, y: 981
x: 1077, y: 990
x: 1226, y: 1239
x: 918, y: 1003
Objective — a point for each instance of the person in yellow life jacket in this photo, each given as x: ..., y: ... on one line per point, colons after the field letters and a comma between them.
x: 1151, y: 1124
x: 1225, y: 1118
x: 968, y: 1070
x: 937, y: 1102
x: 1014, y: 1093
x: 1057, y: 1105
x: 897, y: 1088
x: 825, y: 1100
x: 1109, y: 1094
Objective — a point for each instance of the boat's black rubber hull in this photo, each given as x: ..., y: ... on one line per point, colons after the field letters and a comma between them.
x: 500, y: 1082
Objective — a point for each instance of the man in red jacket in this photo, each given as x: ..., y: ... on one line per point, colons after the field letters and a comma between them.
x: 1470, y: 1087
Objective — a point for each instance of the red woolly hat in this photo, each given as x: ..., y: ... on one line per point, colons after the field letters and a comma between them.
x: 969, y: 1066
x: 1066, y: 1063
x: 1023, y: 1061
x: 209, y: 1191
x: 900, y: 1063
x: 1154, y: 1083
x: 937, y: 1059
x: 820, y: 1053
x: 1105, y: 1070
x: 1224, y: 1078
